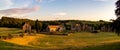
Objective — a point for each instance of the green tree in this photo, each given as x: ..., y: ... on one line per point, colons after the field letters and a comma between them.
x: 37, y: 26
x: 117, y: 21
x: 117, y: 11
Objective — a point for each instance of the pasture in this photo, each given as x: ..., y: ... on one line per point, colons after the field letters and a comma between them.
x: 76, y: 41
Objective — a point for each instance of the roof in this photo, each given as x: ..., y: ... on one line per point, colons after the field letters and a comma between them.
x: 53, y: 26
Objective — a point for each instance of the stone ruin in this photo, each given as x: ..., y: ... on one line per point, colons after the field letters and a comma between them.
x: 27, y: 28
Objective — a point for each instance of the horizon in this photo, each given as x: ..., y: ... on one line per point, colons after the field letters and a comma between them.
x: 56, y: 20
x: 89, y: 10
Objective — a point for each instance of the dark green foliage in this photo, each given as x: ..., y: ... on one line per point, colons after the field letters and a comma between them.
x: 117, y: 21
x: 38, y: 26
x: 13, y: 22
x: 10, y: 36
x: 117, y: 25
x: 95, y: 31
x: 43, y: 25
x: 17, y: 23
x: 4, y: 37
x: 21, y: 35
x: 117, y: 11
x: 0, y: 37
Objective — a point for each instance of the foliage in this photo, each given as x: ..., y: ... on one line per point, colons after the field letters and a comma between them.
x: 117, y: 21
x: 95, y: 31
x: 38, y: 26
x: 17, y: 23
x: 42, y: 25
x: 117, y: 11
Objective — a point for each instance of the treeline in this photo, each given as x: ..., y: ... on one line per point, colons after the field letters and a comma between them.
x: 16, y: 23
x: 74, y: 25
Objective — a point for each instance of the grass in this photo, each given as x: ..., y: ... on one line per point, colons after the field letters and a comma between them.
x: 76, y: 41
x: 82, y: 39
x: 5, y: 31
x: 11, y: 46
x: 111, y: 46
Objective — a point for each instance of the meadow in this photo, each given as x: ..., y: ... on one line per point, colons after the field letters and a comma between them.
x: 75, y: 41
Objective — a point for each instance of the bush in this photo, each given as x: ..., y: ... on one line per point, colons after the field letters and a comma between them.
x: 10, y: 36
x: 4, y: 37
x: 95, y: 31
x: 53, y: 33
x: 0, y: 37
x: 21, y: 35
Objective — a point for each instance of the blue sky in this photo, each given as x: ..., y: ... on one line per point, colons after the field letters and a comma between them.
x: 93, y: 10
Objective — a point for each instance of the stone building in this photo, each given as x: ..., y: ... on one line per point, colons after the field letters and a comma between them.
x: 27, y: 28
x: 56, y: 28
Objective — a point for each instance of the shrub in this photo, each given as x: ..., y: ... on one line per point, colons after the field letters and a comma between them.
x: 95, y: 31
x: 10, y: 36
x: 53, y: 33
x: 0, y: 37
x: 21, y: 35
x: 4, y: 37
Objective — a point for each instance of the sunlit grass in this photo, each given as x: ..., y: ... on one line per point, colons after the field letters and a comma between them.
x: 79, y: 40
x: 5, y: 31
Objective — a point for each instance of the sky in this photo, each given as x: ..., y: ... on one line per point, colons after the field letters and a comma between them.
x: 93, y: 10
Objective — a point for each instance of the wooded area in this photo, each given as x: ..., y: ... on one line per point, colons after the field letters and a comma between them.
x: 70, y: 25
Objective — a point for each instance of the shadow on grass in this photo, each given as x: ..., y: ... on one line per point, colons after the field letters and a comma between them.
x: 10, y: 46
x: 56, y: 33
x: 112, y: 46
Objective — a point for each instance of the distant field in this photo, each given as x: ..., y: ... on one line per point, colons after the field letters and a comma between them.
x: 76, y: 41
x: 5, y: 31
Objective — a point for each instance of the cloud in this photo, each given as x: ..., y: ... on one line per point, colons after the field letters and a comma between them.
x: 60, y: 14
x: 14, y: 11
x: 25, y: 4
x: 39, y: 1
x: 6, y: 3
x: 45, y: 1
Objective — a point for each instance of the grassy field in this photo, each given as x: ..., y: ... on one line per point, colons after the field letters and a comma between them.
x: 5, y: 31
x: 76, y: 41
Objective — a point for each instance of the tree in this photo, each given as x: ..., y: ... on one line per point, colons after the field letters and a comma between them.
x: 117, y: 11
x: 37, y: 26
x: 116, y: 25
x: 117, y: 21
